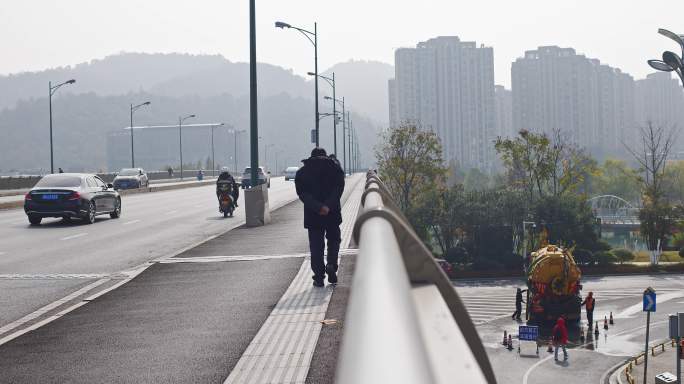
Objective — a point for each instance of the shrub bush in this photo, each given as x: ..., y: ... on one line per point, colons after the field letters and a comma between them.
x: 622, y: 255
x: 487, y: 265
x: 681, y: 252
x: 605, y: 258
x: 583, y: 257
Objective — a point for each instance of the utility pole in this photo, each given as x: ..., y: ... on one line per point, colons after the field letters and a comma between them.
x: 253, y: 116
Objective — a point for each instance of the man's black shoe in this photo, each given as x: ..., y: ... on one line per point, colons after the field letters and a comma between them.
x: 318, y: 281
x: 331, y: 270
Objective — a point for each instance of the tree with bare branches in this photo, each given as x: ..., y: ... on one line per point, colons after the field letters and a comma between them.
x: 657, y: 215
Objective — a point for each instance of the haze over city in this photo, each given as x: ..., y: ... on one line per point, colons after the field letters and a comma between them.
x: 620, y: 34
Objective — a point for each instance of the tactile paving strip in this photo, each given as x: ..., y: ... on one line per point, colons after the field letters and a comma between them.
x: 282, y: 350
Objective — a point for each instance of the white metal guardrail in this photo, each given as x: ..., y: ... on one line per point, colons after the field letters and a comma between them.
x: 405, y: 322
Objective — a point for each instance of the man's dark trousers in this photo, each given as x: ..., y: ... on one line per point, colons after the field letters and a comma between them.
x: 317, y: 237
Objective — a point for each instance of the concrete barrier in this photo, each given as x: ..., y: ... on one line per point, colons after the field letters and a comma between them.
x: 152, y: 188
x: 28, y: 181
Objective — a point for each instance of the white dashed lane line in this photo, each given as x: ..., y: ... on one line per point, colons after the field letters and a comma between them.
x: 131, y: 222
x: 74, y: 236
x: 171, y: 212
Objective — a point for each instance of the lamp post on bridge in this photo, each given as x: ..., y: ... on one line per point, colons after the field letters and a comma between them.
x: 213, y: 165
x: 331, y: 81
x: 671, y: 61
x: 180, y: 140
x: 314, y: 41
x: 133, y: 109
x: 52, y: 92
x: 344, y: 128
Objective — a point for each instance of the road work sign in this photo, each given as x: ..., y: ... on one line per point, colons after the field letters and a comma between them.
x: 649, y: 300
x: 528, y: 332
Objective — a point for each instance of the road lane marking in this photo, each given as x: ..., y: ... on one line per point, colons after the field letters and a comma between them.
x: 131, y: 222
x: 45, y: 309
x: 171, y: 212
x: 74, y: 236
x: 636, y: 308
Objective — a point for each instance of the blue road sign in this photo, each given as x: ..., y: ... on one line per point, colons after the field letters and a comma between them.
x: 528, y: 332
x: 649, y: 300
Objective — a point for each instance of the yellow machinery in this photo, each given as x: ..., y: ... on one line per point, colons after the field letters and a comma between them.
x: 553, y: 281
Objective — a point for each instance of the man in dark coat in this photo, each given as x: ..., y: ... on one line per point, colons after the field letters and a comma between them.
x: 320, y: 183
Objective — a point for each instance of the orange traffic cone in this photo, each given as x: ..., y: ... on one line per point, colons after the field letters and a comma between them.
x: 605, y: 322
x: 510, y: 342
x: 596, y: 331
x: 611, y: 318
x: 505, y: 340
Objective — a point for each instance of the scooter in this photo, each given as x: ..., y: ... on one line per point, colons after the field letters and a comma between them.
x: 226, y: 203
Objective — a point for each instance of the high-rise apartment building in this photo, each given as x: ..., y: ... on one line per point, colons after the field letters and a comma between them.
x: 447, y: 85
x: 589, y: 103
x: 660, y: 100
x: 503, y: 106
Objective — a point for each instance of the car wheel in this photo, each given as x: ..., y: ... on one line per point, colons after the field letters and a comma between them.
x: 116, y: 213
x: 34, y: 220
x: 90, y: 215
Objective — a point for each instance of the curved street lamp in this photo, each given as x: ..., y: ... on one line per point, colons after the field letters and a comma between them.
x: 331, y: 81
x: 671, y: 61
x: 314, y: 41
x: 180, y: 140
x: 133, y: 109
x: 52, y: 92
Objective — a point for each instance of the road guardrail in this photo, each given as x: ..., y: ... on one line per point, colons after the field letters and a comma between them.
x: 405, y: 322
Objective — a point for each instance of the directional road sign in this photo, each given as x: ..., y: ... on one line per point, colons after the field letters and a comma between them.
x: 528, y: 332
x: 649, y: 300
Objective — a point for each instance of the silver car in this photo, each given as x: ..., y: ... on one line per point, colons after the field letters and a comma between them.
x: 131, y: 178
x: 291, y: 172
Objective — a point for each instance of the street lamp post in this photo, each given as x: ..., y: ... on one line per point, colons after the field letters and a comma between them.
x: 344, y: 128
x: 133, y: 109
x: 51, y: 92
x: 671, y: 61
x: 314, y: 41
x: 213, y: 164
x: 331, y: 81
x: 180, y: 140
x: 235, y: 151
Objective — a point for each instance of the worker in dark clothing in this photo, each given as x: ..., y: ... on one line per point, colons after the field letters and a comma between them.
x: 319, y: 184
x: 226, y: 177
x: 518, y: 304
x: 590, y: 304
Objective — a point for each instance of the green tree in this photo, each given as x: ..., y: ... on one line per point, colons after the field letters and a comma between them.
x: 476, y: 180
x: 410, y: 162
x: 615, y: 177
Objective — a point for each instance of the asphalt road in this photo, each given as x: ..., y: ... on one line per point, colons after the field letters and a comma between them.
x: 41, y: 264
x: 491, y: 302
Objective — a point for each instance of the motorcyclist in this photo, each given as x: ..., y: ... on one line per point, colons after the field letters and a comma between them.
x: 224, y: 177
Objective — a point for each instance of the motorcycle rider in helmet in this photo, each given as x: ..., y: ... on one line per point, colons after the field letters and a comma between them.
x: 226, y: 176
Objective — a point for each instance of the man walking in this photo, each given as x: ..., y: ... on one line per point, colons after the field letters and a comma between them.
x: 320, y: 183
x: 518, y: 304
x: 590, y: 304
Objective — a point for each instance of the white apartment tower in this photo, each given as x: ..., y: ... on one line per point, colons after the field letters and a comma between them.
x: 590, y: 103
x: 503, y: 105
x: 447, y: 85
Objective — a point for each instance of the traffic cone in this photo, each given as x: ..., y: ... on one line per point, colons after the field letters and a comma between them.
x: 505, y: 340
x: 510, y: 342
x: 596, y: 331
x: 605, y: 322
x: 611, y: 318
x: 581, y: 334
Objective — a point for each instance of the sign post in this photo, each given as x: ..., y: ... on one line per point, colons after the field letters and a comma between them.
x: 528, y: 333
x: 649, y: 306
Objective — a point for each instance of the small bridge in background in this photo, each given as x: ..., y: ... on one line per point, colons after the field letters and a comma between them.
x: 614, y: 211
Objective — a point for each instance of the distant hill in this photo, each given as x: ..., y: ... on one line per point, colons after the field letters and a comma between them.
x: 364, y: 83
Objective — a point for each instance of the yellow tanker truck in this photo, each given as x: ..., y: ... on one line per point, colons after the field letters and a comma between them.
x: 553, y: 282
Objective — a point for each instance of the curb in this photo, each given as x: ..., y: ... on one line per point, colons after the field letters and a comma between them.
x: 153, y: 188
x: 626, y: 367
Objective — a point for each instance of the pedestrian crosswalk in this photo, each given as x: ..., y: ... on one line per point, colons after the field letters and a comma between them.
x: 487, y: 306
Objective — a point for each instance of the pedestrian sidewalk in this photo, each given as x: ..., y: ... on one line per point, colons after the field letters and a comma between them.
x: 661, y: 358
x: 238, y: 308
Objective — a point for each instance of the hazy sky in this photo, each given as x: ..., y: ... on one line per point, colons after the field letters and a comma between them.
x: 38, y: 34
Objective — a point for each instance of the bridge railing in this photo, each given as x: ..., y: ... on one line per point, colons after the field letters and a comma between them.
x: 405, y: 322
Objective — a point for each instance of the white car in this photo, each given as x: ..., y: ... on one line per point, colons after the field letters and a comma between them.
x: 290, y: 173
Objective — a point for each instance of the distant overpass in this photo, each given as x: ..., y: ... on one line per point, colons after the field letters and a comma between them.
x: 615, y: 212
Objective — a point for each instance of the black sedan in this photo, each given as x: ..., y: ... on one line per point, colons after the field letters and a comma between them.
x: 71, y: 195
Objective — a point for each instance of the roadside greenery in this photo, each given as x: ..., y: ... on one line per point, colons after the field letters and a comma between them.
x: 474, y: 219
